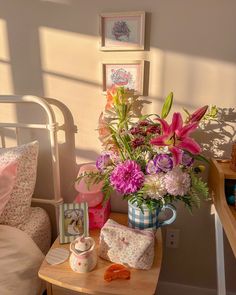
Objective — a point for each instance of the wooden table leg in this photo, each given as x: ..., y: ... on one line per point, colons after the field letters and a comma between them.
x: 221, y: 290
x: 49, y: 288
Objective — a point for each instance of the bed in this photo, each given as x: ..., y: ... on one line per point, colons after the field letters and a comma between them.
x: 25, y: 226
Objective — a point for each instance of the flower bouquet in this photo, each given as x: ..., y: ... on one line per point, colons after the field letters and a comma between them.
x: 146, y: 159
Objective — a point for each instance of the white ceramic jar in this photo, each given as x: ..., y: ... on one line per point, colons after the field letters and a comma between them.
x: 83, y: 256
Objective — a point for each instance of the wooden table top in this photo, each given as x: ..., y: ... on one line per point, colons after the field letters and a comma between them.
x: 142, y: 282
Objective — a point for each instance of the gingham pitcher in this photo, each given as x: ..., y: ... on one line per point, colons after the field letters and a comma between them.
x: 147, y: 218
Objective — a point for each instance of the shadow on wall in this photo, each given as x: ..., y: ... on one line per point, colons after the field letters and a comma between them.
x: 217, y: 138
x: 66, y: 148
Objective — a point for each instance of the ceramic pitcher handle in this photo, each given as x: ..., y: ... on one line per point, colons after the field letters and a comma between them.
x: 172, y: 218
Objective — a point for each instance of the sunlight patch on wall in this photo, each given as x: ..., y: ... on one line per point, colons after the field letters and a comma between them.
x: 69, y: 54
x: 6, y: 85
x: 7, y: 115
x: 156, y: 91
x: 196, y: 80
x: 4, y: 50
x: 156, y: 72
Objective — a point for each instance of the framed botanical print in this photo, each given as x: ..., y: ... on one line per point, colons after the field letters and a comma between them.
x: 122, y: 31
x: 127, y: 74
x: 73, y: 221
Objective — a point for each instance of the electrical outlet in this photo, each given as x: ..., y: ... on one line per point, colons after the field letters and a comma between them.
x: 172, y: 238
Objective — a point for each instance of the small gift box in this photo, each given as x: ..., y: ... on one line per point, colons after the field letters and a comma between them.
x: 98, y: 215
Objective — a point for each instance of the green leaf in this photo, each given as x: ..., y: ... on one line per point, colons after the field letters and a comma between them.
x: 167, y: 106
x: 201, y: 158
x: 186, y: 111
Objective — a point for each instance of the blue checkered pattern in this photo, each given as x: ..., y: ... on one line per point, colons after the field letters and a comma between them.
x: 140, y: 220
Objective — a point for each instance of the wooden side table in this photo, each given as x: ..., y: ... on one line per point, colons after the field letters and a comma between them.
x: 61, y: 280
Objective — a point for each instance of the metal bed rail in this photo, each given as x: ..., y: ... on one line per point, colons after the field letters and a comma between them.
x: 51, y: 126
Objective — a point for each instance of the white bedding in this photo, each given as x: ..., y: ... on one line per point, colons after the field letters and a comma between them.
x: 39, y: 228
x: 20, y: 259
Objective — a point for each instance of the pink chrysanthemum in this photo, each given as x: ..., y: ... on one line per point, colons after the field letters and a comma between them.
x: 127, y: 177
x: 177, y: 182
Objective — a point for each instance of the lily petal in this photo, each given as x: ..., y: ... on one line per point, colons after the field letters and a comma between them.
x: 165, y: 126
x: 110, y: 98
x: 190, y: 145
x: 177, y: 122
x: 177, y: 155
x: 186, y: 130
x: 160, y: 140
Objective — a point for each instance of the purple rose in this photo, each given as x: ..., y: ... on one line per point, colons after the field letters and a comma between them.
x: 163, y: 162
x: 151, y: 167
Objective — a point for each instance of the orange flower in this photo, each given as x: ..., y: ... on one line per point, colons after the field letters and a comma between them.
x: 110, y: 98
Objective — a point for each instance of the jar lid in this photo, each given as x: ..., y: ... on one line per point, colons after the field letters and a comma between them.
x: 82, y: 244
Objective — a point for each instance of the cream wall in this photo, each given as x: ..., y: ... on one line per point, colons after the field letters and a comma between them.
x: 51, y: 48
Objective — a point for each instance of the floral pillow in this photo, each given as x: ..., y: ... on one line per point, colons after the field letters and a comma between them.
x: 7, y: 181
x: 17, y: 209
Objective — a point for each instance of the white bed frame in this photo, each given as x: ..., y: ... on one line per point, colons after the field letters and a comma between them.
x: 51, y: 125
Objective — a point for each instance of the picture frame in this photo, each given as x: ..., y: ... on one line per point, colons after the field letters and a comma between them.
x: 129, y: 74
x: 122, y: 31
x: 73, y: 221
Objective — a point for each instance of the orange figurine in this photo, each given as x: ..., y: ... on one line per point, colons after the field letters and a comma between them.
x: 116, y: 271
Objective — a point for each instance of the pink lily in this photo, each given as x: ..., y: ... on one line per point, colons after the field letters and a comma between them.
x: 176, y: 137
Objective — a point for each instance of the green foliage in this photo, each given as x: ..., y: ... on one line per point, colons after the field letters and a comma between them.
x: 201, y: 158
x: 90, y: 178
x: 199, y: 187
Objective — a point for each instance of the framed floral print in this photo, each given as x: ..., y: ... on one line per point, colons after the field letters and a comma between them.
x: 73, y: 221
x: 122, y: 31
x: 128, y: 74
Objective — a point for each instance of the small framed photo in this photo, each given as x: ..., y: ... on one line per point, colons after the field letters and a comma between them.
x: 73, y: 221
x: 128, y: 74
x: 122, y: 31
